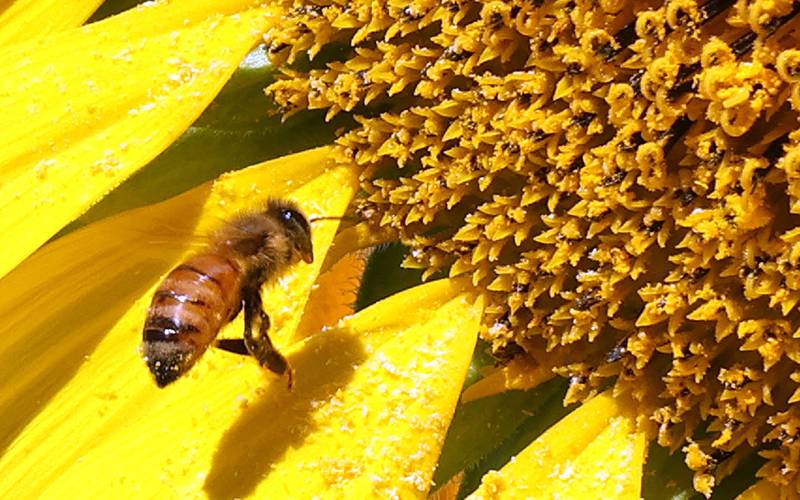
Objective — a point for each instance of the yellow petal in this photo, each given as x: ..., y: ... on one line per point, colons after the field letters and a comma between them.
x: 354, y: 238
x: 594, y: 452
x: 334, y: 294
x: 449, y: 490
x: 60, y: 304
x: 521, y: 373
x: 26, y: 19
x: 82, y: 110
x: 373, y: 430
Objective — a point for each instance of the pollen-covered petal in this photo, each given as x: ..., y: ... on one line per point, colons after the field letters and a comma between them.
x: 73, y: 315
x: 594, y: 452
x: 82, y: 110
x: 26, y: 19
x: 370, y: 416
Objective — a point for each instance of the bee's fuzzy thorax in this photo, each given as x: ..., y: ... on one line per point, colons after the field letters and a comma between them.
x: 258, y: 241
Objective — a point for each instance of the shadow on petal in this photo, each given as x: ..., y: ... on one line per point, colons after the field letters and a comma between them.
x: 280, y: 419
x: 373, y: 400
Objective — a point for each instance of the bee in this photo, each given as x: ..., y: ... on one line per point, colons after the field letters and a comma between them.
x: 208, y: 291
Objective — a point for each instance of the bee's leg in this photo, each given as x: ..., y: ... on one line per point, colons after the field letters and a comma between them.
x: 274, y: 360
x: 261, y: 347
x: 249, y: 298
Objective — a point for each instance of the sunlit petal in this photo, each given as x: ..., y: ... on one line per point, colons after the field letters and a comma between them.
x: 381, y: 389
x: 594, y: 452
x: 82, y: 110
x: 26, y: 19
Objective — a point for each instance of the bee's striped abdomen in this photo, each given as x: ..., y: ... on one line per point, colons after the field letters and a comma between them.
x: 187, y: 311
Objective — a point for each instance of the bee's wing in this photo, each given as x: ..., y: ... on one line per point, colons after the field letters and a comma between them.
x: 154, y: 236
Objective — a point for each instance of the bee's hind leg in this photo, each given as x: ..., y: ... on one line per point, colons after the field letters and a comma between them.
x: 261, y: 347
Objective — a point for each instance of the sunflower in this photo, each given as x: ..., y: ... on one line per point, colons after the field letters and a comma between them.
x: 528, y: 173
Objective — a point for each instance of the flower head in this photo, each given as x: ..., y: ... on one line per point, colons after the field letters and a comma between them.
x: 617, y: 177
x: 529, y: 149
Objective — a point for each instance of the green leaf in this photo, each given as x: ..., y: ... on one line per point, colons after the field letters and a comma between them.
x: 744, y: 477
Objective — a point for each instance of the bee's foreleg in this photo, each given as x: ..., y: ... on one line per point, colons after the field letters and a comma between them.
x: 261, y: 347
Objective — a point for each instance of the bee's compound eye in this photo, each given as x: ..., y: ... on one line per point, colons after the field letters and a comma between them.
x: 293, y: 218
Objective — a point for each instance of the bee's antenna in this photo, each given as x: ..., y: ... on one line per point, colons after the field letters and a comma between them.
x: 343, y: 217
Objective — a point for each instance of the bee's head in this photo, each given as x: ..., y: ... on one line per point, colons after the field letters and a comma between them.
x: 297, y: 229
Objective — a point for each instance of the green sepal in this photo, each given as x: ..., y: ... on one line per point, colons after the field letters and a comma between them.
x: 383, y: 275
x: 667, y: 477
x: 487, y: 432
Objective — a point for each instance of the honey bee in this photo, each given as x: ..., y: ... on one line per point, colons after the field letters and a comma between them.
x: 208, y: 290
